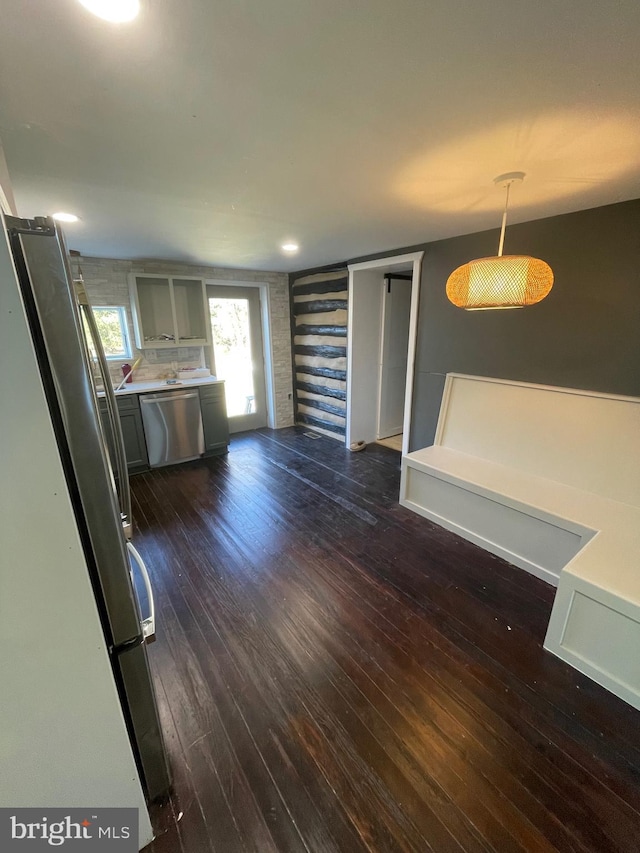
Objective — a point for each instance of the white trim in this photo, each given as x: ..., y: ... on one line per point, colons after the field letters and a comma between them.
x: 383, y: 317
x: 124, y: 329
x: 267, y: 338
x: 391, y: 261
x: 387, y: 264
x: 411, y: 351
x: 347, y: 423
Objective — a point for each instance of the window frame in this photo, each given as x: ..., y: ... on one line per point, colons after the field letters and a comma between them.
x: 121, y: 310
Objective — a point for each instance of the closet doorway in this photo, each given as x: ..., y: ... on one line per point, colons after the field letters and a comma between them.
x: 367, y: 381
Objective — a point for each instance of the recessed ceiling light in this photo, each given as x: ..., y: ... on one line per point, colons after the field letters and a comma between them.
x: 290, y: 247
x: 116, y: 11
x: 61, y: 216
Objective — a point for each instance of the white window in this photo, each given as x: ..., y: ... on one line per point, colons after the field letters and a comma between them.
x: 114, y: 333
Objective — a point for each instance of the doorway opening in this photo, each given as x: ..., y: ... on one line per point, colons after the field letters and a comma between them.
x: 381, y: 342
x: 394, y: 345
x: 238, y: 353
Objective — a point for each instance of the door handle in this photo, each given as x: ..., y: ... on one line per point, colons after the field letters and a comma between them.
x: 114, y: 417
x: 148, y: 624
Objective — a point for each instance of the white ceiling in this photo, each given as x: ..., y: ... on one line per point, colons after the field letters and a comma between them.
x: 214, y: 130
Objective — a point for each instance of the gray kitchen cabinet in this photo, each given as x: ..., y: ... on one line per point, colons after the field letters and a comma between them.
x: 214, y: 419
x: 169, y: 311
x: 135, y: 446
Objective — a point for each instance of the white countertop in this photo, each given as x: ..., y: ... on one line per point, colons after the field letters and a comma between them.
x: 163, y: 385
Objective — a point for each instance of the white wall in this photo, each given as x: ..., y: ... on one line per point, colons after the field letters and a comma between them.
x: 63, y: 740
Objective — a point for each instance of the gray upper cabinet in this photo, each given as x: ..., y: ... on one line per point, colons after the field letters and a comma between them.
x: 135, y: 446
x: 169, y: 311
x: 214, y: 419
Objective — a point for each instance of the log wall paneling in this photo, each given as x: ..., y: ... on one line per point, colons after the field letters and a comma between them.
x: 324, y: 407
x: 328, y: 285
x: 323, y: 350
x: 324, y: 390
x: 319, y: 306
x: 320, y: 424
x: 318, y: 331
x: 336, y: 331
x: 326, y: 372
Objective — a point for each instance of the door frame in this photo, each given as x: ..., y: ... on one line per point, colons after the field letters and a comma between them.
x: 267, y: 338
x: 364, y: 341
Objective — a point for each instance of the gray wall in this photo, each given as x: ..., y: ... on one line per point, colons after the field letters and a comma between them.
x: 585, y: 334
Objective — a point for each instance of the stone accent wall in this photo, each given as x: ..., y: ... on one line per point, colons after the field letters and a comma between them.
x: 107, y: 283
x: 281, y: 350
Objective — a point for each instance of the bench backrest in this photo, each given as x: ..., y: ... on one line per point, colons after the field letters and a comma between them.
x: 580, y: 438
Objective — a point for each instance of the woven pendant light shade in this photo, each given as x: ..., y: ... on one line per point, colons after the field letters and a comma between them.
x: 507, y: 281
x: 504, y: 281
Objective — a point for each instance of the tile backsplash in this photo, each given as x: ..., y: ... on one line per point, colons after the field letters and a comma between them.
x: 160, y: 363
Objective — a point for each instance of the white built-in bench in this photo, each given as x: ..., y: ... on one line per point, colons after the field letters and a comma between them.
x: 549, y: 479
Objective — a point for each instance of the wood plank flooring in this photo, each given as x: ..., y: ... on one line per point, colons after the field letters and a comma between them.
x: 336, y: 673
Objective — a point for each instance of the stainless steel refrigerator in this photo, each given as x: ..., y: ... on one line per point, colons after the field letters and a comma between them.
x: 58, y: 313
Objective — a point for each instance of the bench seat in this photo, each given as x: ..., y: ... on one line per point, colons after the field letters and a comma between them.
x: 585, y: 543
x: 584, y: 515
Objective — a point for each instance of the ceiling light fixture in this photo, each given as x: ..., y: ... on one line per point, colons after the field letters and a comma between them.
x: 65, y: 217
x: 503, y: 281
x: 115, y: 11
x: 289, y: 247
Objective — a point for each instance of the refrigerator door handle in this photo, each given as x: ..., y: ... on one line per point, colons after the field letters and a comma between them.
x: 112, y: 406
x: 148, y: 624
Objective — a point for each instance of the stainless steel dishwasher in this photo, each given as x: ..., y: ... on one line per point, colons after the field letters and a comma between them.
x: 173, y: 426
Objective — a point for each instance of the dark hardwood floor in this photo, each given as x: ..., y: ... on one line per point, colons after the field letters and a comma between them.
x: 336, y: 673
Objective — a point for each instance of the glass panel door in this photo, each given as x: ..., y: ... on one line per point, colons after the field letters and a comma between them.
x: 236, y: 333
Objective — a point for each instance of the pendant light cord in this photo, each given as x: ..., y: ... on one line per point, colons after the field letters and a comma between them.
x: 504, y: 221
